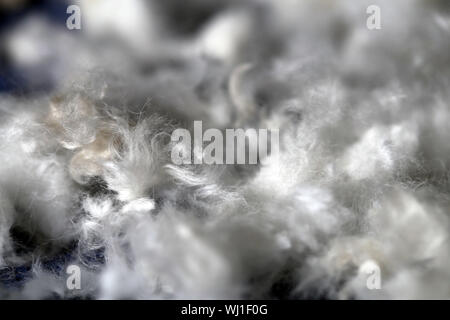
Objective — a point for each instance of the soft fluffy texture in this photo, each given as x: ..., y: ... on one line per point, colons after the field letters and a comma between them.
x: 362, y: 175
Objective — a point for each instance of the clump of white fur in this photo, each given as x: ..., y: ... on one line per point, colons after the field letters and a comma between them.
x: 362, y: 173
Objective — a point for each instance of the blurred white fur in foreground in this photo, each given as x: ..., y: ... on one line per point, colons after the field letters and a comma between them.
x: 362, y: 173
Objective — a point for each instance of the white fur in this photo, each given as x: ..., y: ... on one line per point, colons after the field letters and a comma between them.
x: 362, y: 173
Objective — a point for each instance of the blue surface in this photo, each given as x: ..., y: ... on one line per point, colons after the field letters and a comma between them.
x: 16, y: 276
